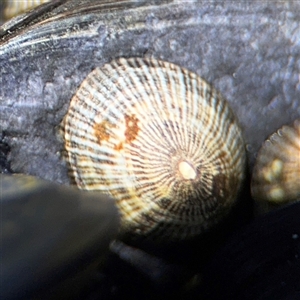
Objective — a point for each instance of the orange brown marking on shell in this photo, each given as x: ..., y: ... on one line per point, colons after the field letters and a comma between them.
x: 101, y: 131
x: 119, y: 147
x: 132, y: 128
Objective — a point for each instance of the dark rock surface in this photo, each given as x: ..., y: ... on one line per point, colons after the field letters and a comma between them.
x: 262, y: 261
x: 53, y: 238
x: 4, y: 151
x: 248, y: 50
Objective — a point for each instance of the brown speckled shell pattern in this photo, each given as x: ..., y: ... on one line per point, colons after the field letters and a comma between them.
x: 161, y: 141
x: 276, y: 174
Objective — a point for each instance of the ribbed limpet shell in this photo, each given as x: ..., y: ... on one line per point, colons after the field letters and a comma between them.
x: 159, y: 139
x: 276, y: 174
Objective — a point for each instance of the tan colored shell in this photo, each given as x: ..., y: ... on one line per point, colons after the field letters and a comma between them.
x: 159, y: 139
x: 276, y: 174
x: 16, y: 7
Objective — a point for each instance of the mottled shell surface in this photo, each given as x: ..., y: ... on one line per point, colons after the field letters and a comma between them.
x: 276, y: 174
x: 160, y: 140
x: 16, y: 7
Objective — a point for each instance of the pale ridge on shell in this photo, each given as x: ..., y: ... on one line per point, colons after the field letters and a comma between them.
x: 15, y: 7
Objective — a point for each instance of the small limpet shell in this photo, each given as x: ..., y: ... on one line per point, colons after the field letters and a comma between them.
x: 276, y: 174
x: 160, y: 140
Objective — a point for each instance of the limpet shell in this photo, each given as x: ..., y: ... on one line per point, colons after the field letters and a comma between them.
x: 160, y: 140
x: 276, y: 174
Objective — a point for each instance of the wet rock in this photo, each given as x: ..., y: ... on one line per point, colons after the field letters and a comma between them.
x: 261, y: 261
x: 54, y: 238
x: 4, y: 151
